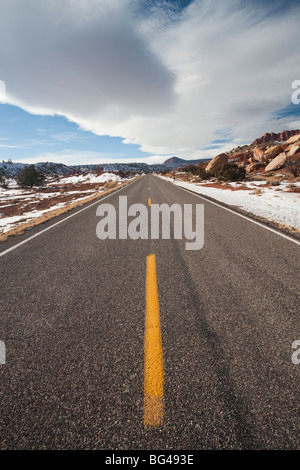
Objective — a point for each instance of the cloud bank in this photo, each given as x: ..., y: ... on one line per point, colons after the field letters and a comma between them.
x: 172, y: 81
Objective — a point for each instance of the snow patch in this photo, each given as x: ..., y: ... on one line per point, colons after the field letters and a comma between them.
x: 274, y: 204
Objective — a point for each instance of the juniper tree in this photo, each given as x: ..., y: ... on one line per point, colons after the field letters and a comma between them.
x: 29, y: 177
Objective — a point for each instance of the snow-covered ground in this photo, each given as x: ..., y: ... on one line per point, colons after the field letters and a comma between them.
x: 91, y: 178
x: 273, y: 203
x: 29, y: 200
x: 7, y: 223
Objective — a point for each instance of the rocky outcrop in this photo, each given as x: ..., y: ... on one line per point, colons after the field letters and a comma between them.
x: 272, y: 137
x: 239, y: 157
x: 294, y: 158
x: 293, y: 149
x: 273, y: 151
x: 277, y: 163
x: 253, y: 166
x: 259, y: 155
x: 268, y: 153
x: 216, y: 163
x: 293, y: 139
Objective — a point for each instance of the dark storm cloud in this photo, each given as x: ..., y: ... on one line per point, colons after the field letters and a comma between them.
x: 81, y: 57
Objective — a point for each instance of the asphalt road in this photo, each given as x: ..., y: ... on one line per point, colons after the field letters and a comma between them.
x: 72, y: 315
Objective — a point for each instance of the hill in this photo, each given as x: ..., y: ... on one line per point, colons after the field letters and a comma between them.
x: 12, y: 170
x: 175, y: 162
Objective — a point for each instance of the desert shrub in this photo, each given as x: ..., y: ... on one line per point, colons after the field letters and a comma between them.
x: 196, y: 171
x: 29, y: 177
x: 273, y: 181
x: 122, y: 174
x: 188, y: 169
x: 110, y: 184
x: 231, y: 172
x: 295, y: 169
x: 3, y: 180
x: 256, y: 191
x: 202, y: 173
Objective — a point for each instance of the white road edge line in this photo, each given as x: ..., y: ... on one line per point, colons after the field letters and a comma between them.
x: 98, y: 201
x: 236, y: 213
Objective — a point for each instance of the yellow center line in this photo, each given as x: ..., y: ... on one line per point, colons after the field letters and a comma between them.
x: 153, y: 361
x: 149, y: 201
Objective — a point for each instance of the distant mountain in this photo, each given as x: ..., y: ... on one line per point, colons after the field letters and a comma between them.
x: 49, y: 168
x: 115, y: 167
x: 272, y: 137
x: 12, y: 170
x: 175, y: 162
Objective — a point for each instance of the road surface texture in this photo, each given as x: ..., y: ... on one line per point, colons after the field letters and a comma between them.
x: 73, y: 323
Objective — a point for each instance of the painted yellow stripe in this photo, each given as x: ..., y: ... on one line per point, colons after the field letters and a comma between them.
x: 153, y: 362
x: 149, y: 201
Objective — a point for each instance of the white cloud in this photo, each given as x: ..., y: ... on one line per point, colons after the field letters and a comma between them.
x: 8, y: 146
x: 293, y: 125
x: 81, y: 59
x: 165, y: 84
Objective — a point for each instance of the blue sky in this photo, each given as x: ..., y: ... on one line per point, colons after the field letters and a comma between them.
x: 143, y: 80
x: 25, y: 137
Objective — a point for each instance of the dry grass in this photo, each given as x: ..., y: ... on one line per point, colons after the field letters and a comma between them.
x: 273, y: 181
x: 110, y: 184
x: 257, y: 177
x: 256, y: 191
x: 56, y: 212
x: 289, y: 228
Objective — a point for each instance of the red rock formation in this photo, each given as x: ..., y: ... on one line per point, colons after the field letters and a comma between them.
x: 277, y: 163
x: 259, y: 155
x: 216, y: 163
x: 269, y: 137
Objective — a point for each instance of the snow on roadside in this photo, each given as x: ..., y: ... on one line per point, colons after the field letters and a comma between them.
x: 13, y: 194
x: 274, y: 204
x: 90, y: 178
x: 7, y: 223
